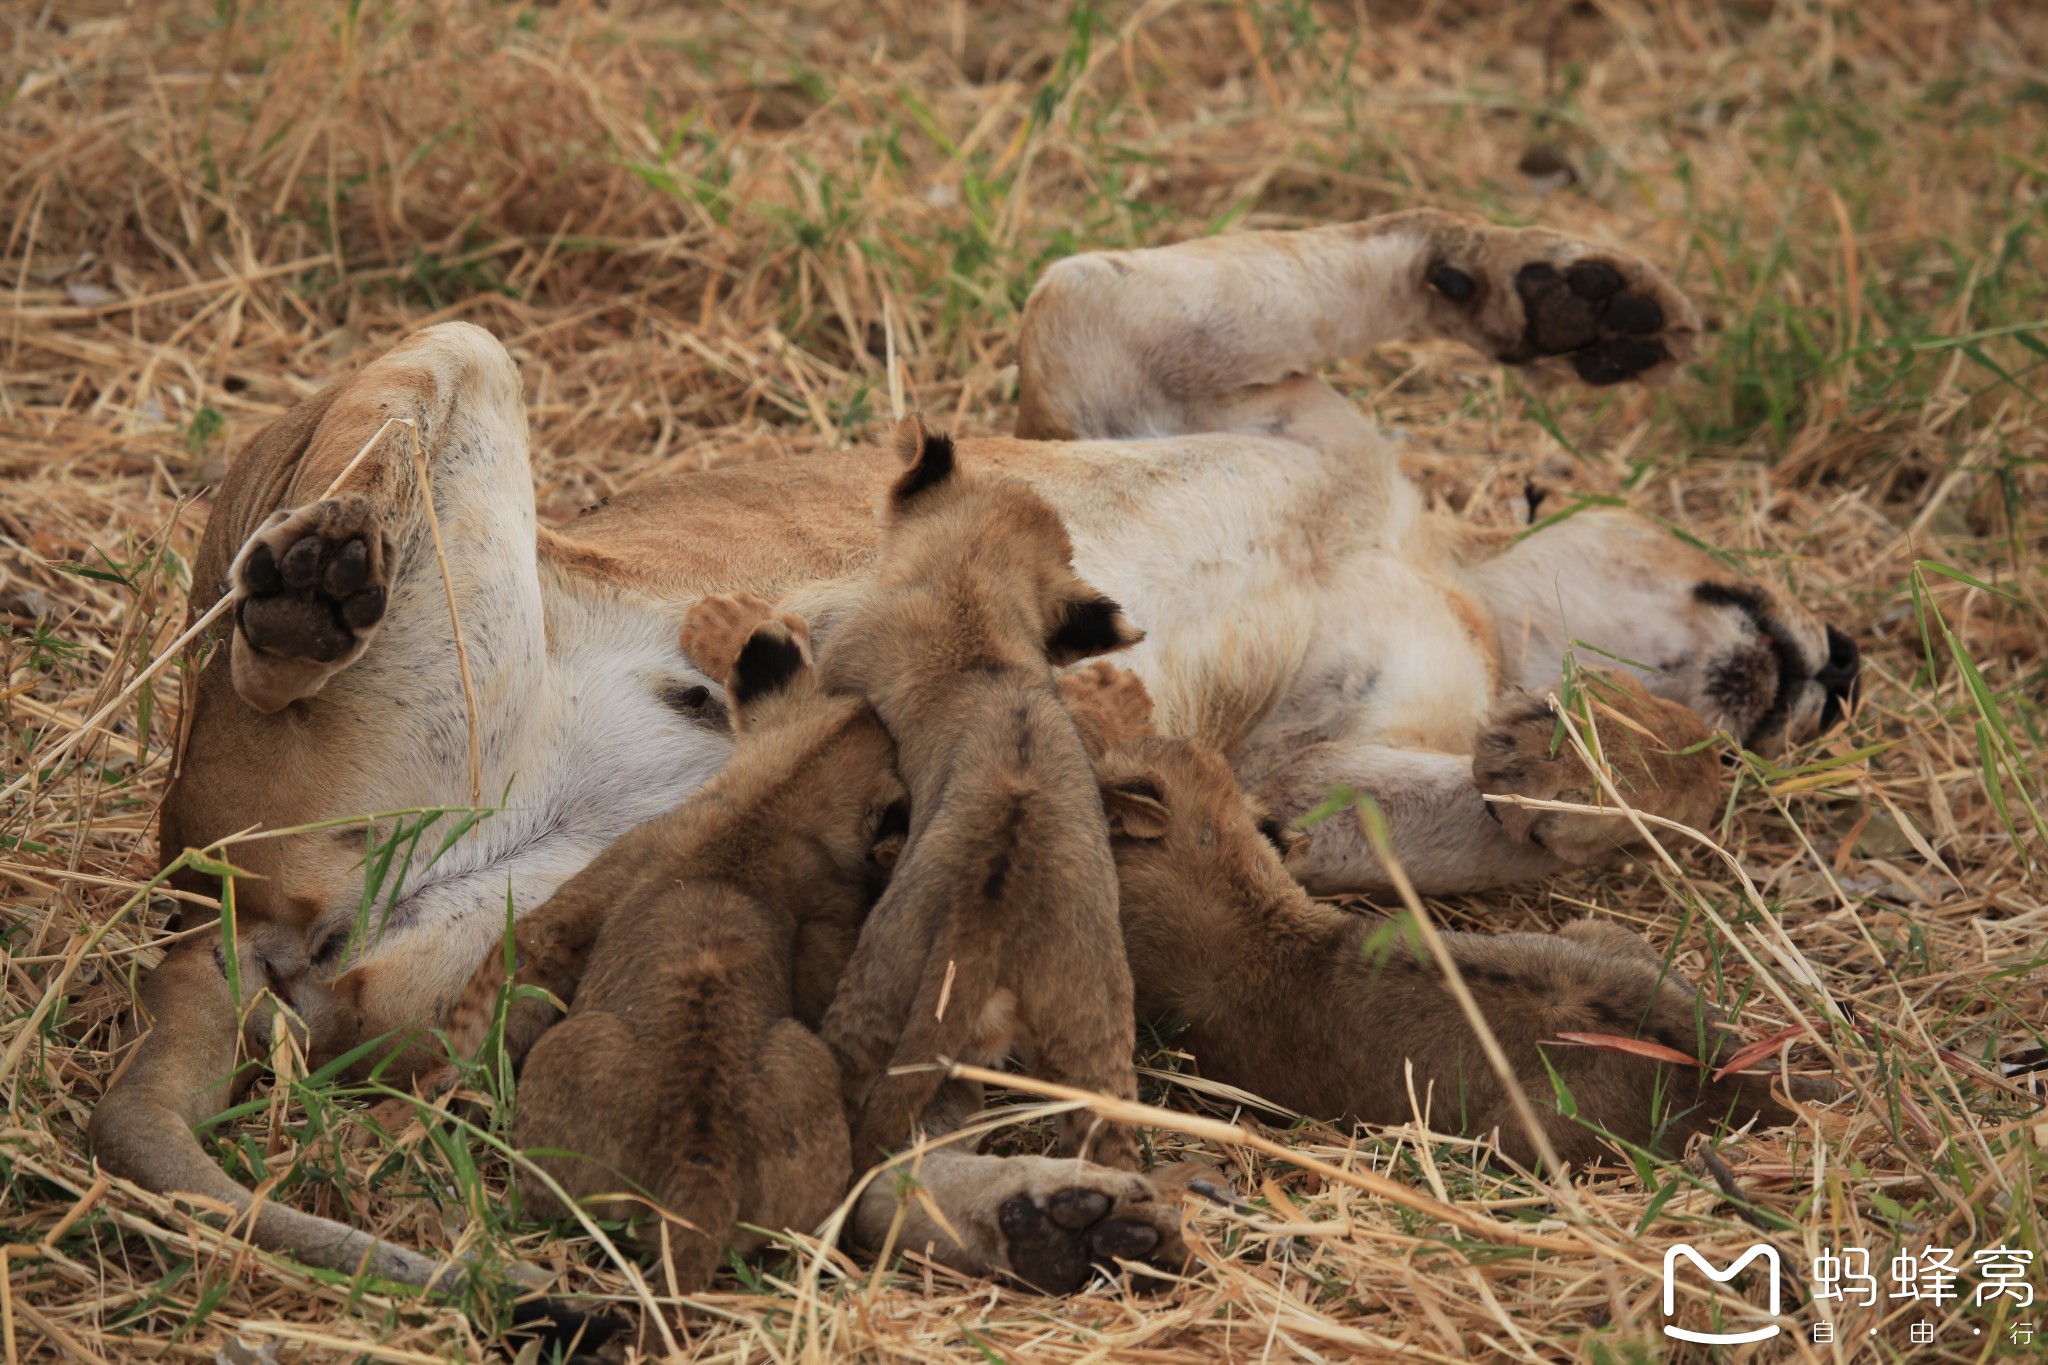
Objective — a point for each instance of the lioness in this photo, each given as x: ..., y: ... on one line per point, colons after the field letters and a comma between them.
x: 999, y: 927
x: 1305, y: 614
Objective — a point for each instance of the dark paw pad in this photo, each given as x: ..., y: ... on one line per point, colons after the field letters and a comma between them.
x: 1586, y: 312
x: 1117, y: 1239
x: 298, y: 628
x: 1594, y: 280
x: 1077, y: 1209
x: 1057, y: 1247
x: 562, y: 1331
x: 1616, y: 359
x: 1453, y: 283
x: 1638, y: 317
x: 1559, y: 320
x: 312, y: 601
x: 1043, y: 1255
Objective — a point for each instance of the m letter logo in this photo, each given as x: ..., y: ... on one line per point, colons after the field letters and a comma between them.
x: 1770, y: 1257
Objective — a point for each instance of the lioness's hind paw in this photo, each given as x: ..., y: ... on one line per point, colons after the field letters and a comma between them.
x: 311, y: 585
x: 1529, y: 296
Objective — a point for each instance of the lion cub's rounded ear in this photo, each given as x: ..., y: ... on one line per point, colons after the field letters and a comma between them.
x: 1136, y: 806
x: 775, y: 659
x: 1087, y: 626
x: 928, y: 456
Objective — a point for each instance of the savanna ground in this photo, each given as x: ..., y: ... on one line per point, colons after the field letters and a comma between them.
x: 703, y: 231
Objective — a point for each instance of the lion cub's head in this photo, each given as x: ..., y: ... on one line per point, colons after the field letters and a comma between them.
x: 810, y: 770
x: 976, y: 573
x: 1180, y: 824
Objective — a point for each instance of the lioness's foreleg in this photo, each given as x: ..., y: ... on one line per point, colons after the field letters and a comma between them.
x: 1227, y: 333
x: 187, y: 1070
x: 321, y: 532
x: 1449, y: 838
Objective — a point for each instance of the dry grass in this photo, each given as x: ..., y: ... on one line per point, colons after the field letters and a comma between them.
x: 694, y: 230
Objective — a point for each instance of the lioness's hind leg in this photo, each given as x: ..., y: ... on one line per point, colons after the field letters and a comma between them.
x: 1527, y: 295
x: 321, y: 527
x: 1228, y: 333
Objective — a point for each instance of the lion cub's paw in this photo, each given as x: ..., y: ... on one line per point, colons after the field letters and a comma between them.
x: 716, y: 629
x: 1109, y: 704
x: 1048, y: 1223
x: 1527, y: 295
x: 311, y: 587
x: 1655, y: 752
x: 1064, y: 1225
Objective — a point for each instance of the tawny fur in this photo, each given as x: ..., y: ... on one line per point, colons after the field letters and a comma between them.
x: 1338, y: 1015
x: 1308, y: 617
x: 999, y: 930
x: 696, y: 957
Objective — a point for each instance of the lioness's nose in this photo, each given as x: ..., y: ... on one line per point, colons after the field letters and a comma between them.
x: 1838, y: 677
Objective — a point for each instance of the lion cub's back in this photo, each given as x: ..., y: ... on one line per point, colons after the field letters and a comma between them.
x: 1020, y: 819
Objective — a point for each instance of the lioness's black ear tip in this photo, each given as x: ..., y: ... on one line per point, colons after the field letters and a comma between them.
x: 928, y: 454
x: 768, y: 661
x: 1088, y: 626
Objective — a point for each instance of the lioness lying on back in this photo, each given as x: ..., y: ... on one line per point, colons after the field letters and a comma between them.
x: 1309, y: 612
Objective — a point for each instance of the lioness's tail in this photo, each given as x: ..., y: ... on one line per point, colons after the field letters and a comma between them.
x: 183, y: 1073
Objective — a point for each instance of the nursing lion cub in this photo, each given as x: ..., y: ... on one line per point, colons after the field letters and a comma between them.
x: 696, y: 956
x: 1325, y: 1012
x: 999, y: 928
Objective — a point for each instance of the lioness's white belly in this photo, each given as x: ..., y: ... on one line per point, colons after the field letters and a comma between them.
x: 584, y: 749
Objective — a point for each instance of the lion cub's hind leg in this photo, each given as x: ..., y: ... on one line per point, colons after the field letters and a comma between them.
x: 797, y: 1133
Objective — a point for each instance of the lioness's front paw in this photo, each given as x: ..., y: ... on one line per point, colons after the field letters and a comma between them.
x: 311, y: 586
x: 1527, y: 295
x: 1656, y: 752
x: 1055, y: 1244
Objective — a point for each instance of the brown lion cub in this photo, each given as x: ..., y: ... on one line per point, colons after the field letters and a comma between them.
x: 1225, y: 942
x: 999, y: 927
x: 697, y: 954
